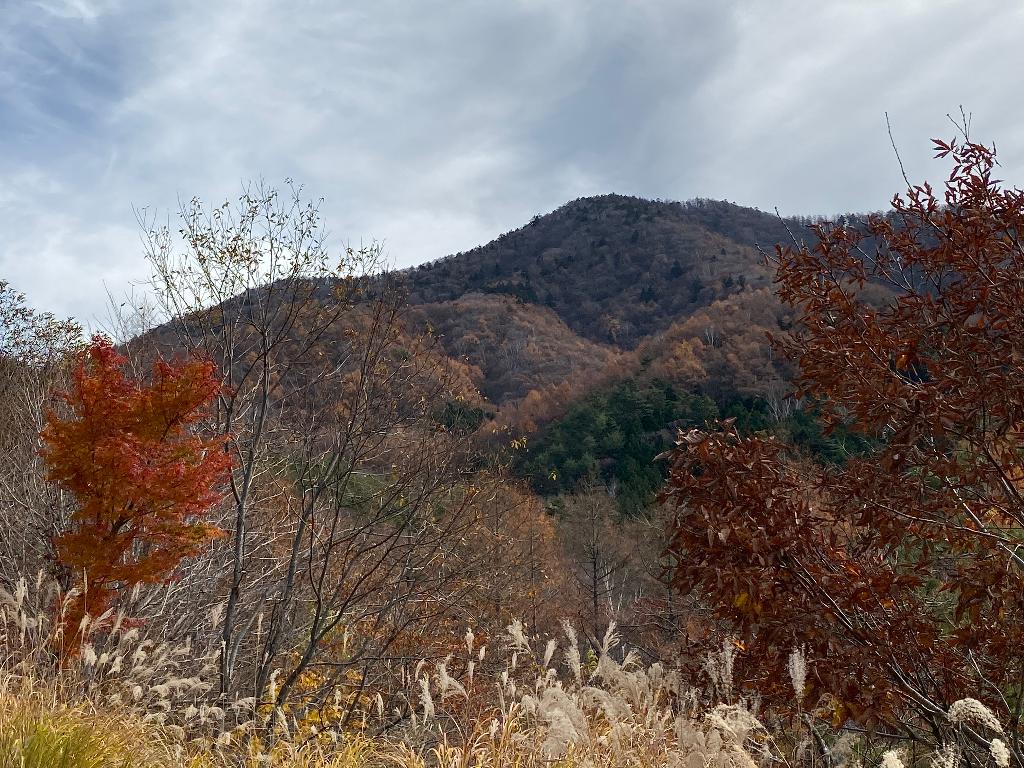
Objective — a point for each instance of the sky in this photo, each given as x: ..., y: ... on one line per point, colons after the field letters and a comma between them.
x: 433, y: 127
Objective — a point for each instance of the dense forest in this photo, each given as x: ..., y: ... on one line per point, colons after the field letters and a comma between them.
x: 615, y: 269
x: 595, y: 331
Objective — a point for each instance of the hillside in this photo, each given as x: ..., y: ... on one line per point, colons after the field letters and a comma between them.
x: 615, y: 269
x: 599, y: 328
x: 565, y: 329
x: 516, y: 346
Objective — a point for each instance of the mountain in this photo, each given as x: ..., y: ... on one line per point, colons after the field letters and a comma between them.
x: 615, y: 269
x: 601, y: 289
x: 593, y: 331
x: 599, y: 328
x: 609, y: 287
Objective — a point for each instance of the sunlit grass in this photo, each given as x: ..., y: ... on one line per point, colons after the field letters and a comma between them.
x: 40, y: 730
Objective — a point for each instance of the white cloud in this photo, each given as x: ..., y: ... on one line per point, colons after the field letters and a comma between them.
x: 436, y: 126
x: 81, y: 10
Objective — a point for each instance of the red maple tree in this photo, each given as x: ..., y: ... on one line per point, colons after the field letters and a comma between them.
x: 141, y: 477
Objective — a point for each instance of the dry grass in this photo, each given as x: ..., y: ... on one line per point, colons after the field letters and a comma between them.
x: 128, y: 701
x: 40, y: 728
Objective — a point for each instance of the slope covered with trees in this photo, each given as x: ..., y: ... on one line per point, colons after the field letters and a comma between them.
x: 515, y: 346
x: 614, y: 268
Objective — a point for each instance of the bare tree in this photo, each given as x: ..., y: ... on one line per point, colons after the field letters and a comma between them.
x: 244, y: 292
x: 381, y: 498
x: 349, y: 496
x: 599, y: 558
x: 34, y: 349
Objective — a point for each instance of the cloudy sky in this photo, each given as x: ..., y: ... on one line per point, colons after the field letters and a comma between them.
x: 435, y: 126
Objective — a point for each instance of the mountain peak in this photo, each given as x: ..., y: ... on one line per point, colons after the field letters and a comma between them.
x: 614, y: 268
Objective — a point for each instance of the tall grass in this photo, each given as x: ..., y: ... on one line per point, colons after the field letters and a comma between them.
x: 40, y: 727
x: 128, y: 700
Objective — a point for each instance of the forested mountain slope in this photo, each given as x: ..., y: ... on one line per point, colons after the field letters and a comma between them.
x: 593, y: 331
x: 616, y: 269
x: 514, y: 346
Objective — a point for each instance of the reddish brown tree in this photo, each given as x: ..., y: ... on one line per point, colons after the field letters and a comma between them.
x: 141, y: 478
x: 901, y: 571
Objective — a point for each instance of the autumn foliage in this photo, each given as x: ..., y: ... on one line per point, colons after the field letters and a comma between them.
x: 141, y: 479
x: 900, y: 572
